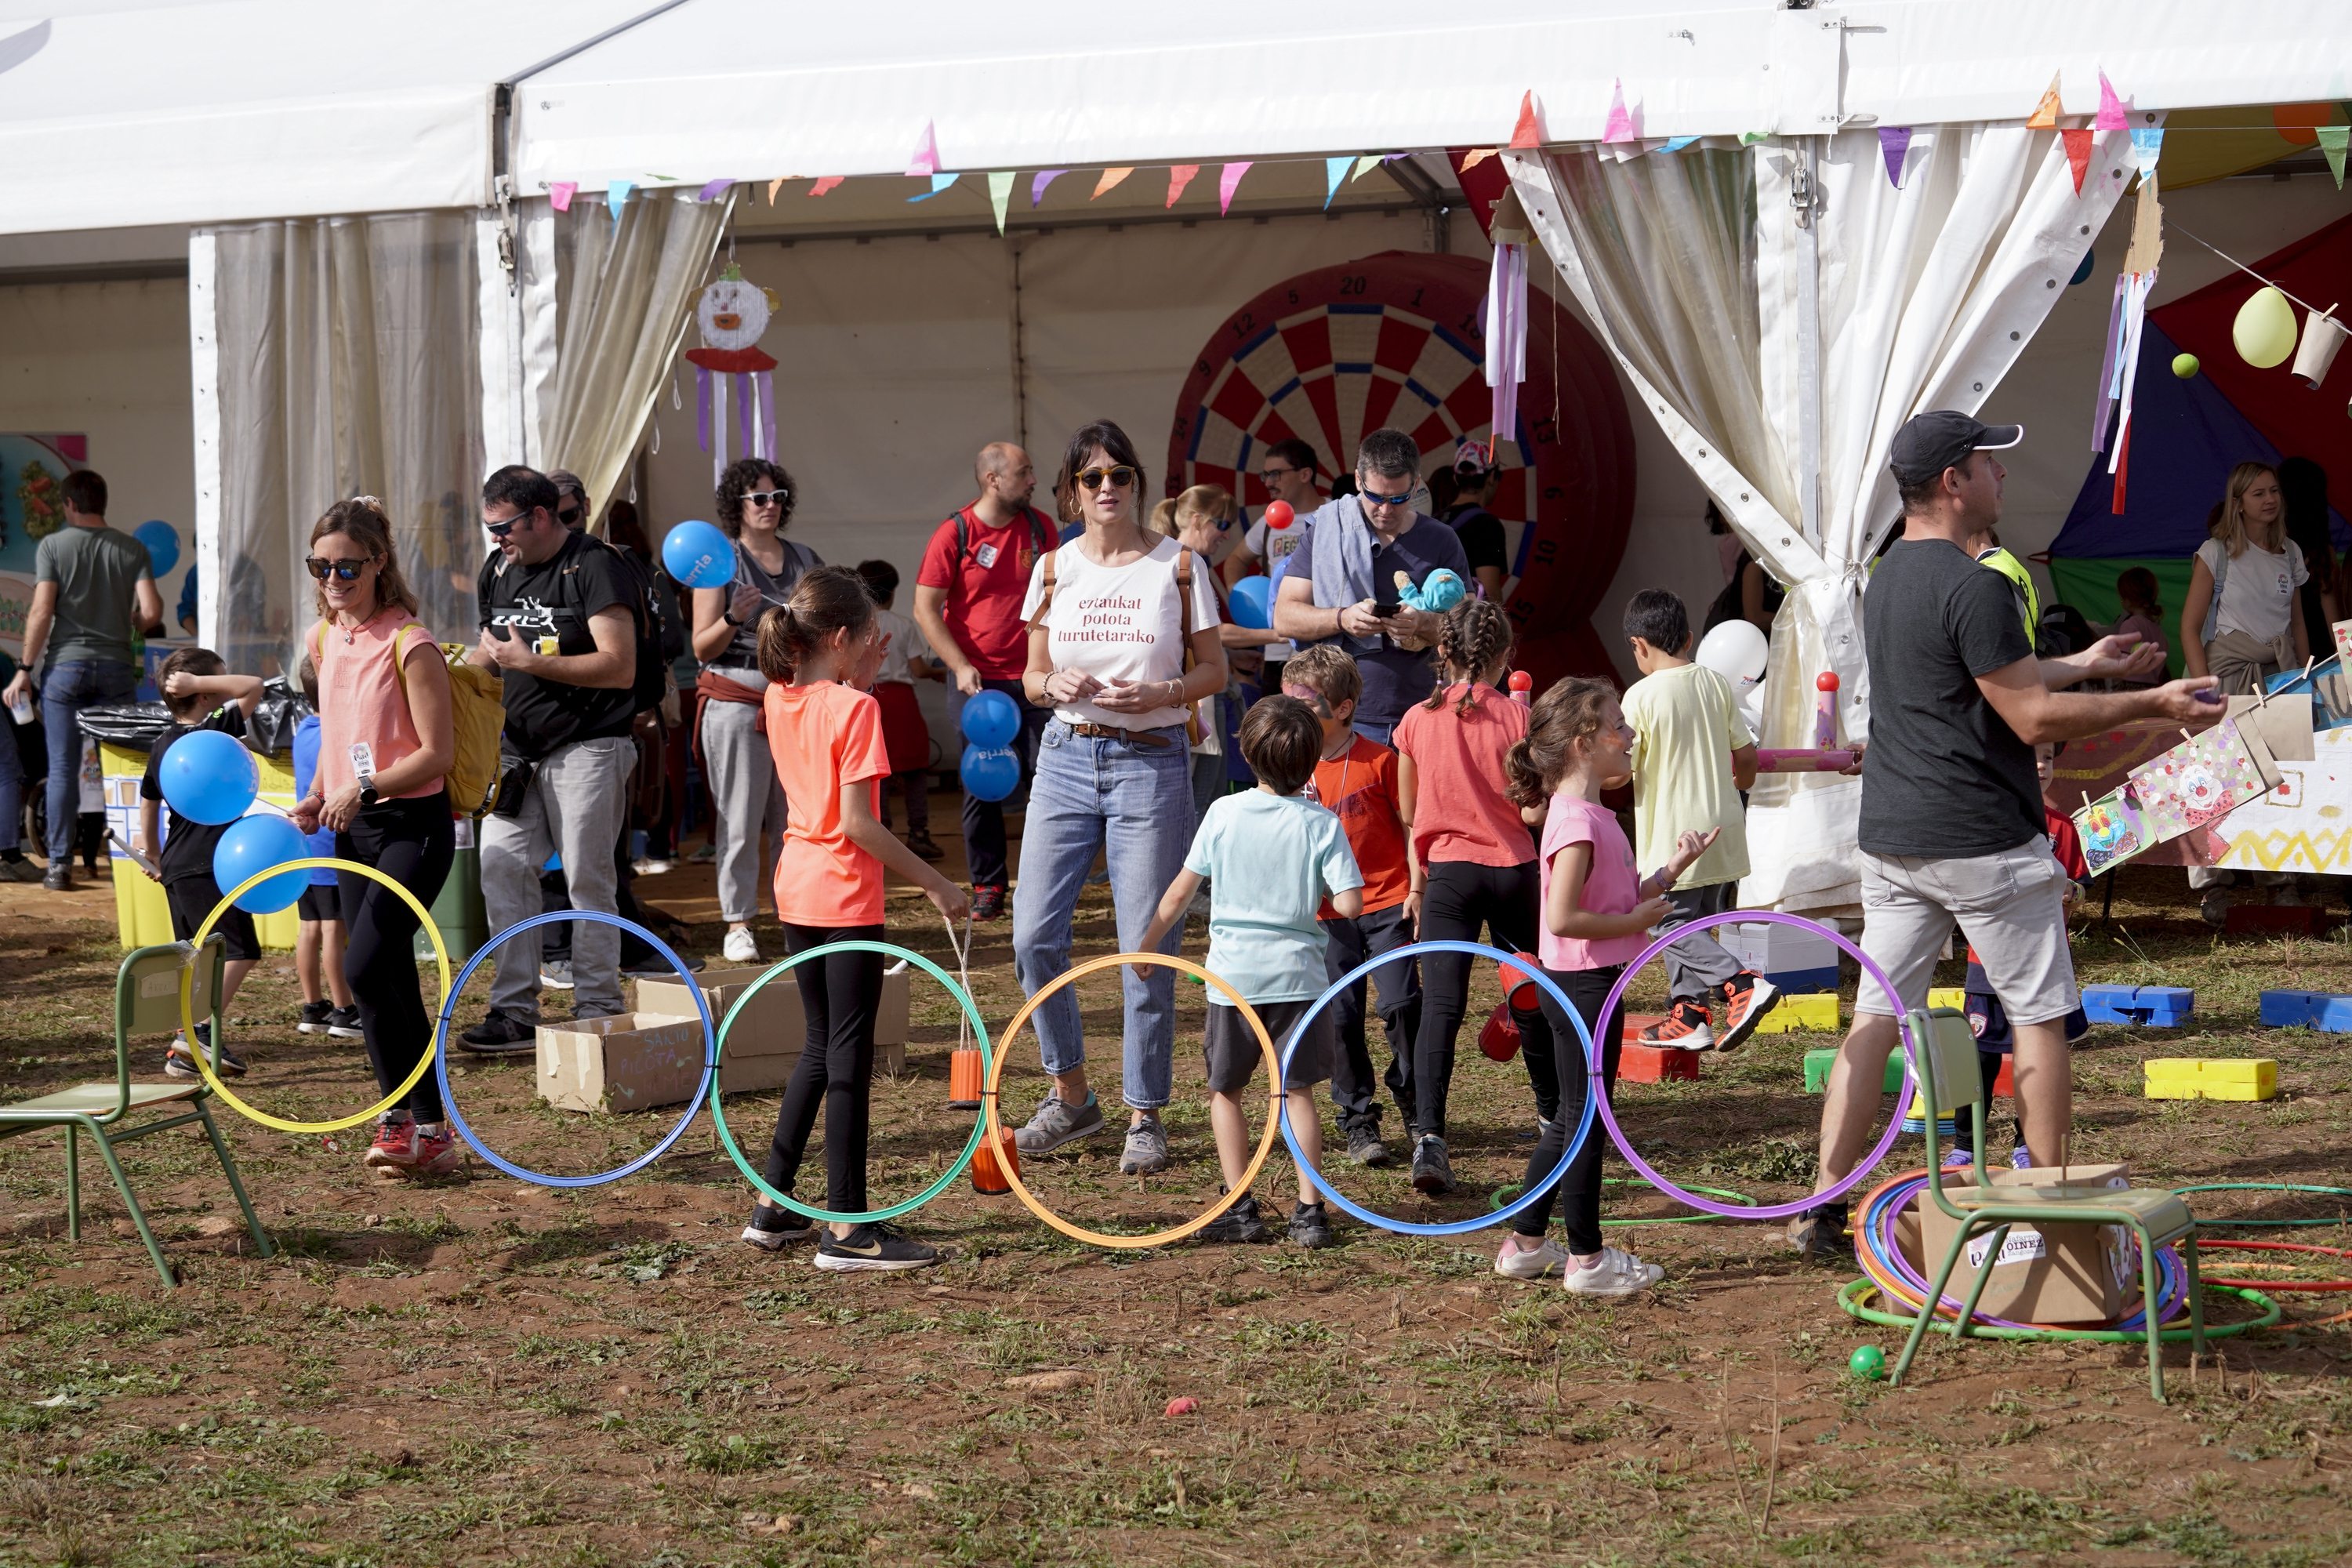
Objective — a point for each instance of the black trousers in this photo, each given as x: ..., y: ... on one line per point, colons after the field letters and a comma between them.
x: 414, y: 843
x: 1460, y: 899
x: 1354, y: 1085
x: 984, y: 820
x: 841, y: 996
x: 1578, y: 1194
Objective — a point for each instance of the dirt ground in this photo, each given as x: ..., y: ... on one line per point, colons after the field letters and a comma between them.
x: 480, y: 1371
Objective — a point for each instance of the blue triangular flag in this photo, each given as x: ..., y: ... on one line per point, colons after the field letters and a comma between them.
x: 616, y: 196
x: 1334, y: 174
x: 939, y: 183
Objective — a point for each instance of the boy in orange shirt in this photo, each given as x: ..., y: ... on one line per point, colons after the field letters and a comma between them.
x: 1357, y: 779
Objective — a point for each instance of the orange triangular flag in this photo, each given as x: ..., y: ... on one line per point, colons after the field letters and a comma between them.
x: 1180, y: 176
x: 1529, y: 131
x: 2046, y: 113
x: 1109, y: 178
x: 774, y: 185
x: 2078, y: 153
x: 1478, y: 156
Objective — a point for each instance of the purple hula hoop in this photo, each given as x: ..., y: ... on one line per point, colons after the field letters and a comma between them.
x: 1768, y: 1211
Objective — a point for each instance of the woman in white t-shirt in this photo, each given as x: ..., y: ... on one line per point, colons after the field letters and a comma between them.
x: 2237, y: 621
x: 1112, y: 615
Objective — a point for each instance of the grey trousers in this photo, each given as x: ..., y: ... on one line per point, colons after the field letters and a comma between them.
x: 748, y: 800
x: 577, y: 801
x: 1698, y: 960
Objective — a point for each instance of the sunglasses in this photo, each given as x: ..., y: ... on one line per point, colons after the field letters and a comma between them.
x: 766, y: 497
x: 1271, y: 475
x: 1120, y: 477
x: 1374, y: 498
x: 500, y: 528
x: 568, y: 519
x: 341, y: 571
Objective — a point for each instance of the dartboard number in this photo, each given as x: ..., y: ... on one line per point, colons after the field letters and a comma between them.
x: 1242, y: 323
x: 1545, y: 550
x: 1183, y: 428
x: 1469, y: 327
x: 1359, y: 285
x: 1200, y: 367
x: 1553, y: 492
x: 1547, y: 432
x: 1294, y: 295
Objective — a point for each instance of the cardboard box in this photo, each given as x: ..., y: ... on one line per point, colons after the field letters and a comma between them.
x: 765, y: 1042
x: 634, y: 1061
x: 2064, y: 1273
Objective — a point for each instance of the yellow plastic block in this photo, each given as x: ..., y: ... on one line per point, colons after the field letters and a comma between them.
x: 1815, y: 1011
x: 2188, y: 1078
x: 1950, y: 997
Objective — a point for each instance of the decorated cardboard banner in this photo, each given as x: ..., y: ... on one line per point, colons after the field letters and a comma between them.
x: 1229, y: 180
x: 2078, y: 153
x: 2111, y: 108
x: 1110, y: 177
x: 2201, y: 780
x: 2113, y: 829
x: 926, y: 157
x: 1621, y: 124
x: 560, y: 195
x: 1000, y: 193
x: 2046, y: 113
x: 1893, y: 142
x: 1528, y: 134
x: 1179, y: 176
x: 1037, y: 187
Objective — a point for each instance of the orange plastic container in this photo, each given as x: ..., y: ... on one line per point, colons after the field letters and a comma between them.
x: 987, y: 1175
x: 1517, y: 989
x: 1500, y: 1036
x: 964, y: 1084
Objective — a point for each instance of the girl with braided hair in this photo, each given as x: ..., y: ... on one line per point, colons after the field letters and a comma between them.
x: 1472, y: 861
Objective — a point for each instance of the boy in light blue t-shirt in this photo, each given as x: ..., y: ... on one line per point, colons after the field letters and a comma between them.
x: 1270, y: 858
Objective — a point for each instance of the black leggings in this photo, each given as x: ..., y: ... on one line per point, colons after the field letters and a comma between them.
x: 1579, y: 1192
x: 1461, y: 898
x: 413, y: 842
x: 841, y: 995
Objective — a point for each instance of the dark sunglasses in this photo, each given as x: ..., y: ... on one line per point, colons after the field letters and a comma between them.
x: 501, y: 530
x: 342, y: 571
x: 766, y: 497
x: 568, y: 519
x: 1374, y: 498
x: 1121, y: 477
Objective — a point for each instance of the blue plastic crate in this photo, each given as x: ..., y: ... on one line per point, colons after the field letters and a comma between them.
x: 2158, y: 1006
x: 2310, y: 1009
x: 1803, y: 981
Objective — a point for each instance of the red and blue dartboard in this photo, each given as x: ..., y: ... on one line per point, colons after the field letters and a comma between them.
x: 1396, y: 339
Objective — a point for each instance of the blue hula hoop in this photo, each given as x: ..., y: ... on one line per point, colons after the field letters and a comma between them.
x: 1538, y: 1192
x: 693, y: 1106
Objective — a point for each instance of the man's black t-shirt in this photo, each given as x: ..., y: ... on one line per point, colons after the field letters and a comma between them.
x: 187, y: 845
x: 1481, y: 532
x: 1944, y: 775
x: 557, y: 598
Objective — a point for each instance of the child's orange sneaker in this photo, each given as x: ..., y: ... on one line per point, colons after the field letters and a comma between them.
x: 1687, y: 1026
x: 1747, y: 998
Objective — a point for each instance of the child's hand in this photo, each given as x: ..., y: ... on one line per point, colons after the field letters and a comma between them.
x: 1687, y: 848
x: 1653, y: 910
x: 948, y: 899
x: 179, y: 683
x: 1412, y: 914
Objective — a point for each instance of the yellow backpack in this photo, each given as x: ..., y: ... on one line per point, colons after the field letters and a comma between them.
x: 477, y: 715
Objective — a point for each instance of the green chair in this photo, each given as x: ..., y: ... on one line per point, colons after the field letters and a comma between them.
x: 146, y: 1002
x: 1947, y: 1051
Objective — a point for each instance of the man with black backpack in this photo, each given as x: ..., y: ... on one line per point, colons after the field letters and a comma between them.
x: 968, y: 596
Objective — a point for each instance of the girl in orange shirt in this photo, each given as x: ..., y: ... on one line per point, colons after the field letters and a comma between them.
x: 819, y: 652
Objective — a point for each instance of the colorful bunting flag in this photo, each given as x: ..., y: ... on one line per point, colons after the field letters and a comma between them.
x: 1893, y: 142
x: 1749, y: 138
x: 2046, y: 113
x: 1229, y: 180
x: 2147, y: 146
x: 1334, y: 170
x: 1621, y: 124
x: 1180, y: 176
x: 1037, y: 187
x: 2078, y: 153
x: 1368, y: 162
x: 714, y: 190
x: 1110, y: 177
x: 939, y: 183
x: 560, y: 194
x: 1478, y: 156
x: 2332, y: 140
x: 2111, y: 108
x: 1528, y: 132
x: 616, y: 196
x: 826, y: 182
x: 774, y: 185
x: 1676, y: 143
x: 926, y: 158
x: 1000, y: 192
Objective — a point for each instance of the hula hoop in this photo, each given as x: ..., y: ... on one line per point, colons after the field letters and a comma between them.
x: 1492, y: 1216
x: 1862, y: 1168
x: 1850, y: 1298
x: 188, y: 978
x: 2266, y: 1187
x: 995, y: 1125
x: 718, y: 1117
x: 449, y: 1097
x: 1502, y: 1196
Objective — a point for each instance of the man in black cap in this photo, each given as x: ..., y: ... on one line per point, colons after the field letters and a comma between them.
x: 1952, y: 825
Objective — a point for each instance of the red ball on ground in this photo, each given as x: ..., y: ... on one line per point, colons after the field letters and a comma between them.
x: 1184, y: 1406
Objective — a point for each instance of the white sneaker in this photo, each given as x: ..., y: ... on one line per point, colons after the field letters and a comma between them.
x: 1514, y: 1262
x: 741, y: 948
x: 1617, y: 1274
x: 654, y: 867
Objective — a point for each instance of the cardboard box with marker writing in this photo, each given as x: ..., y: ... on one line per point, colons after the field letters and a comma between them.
x: 766, y: 1040
x: 2064, y: 1273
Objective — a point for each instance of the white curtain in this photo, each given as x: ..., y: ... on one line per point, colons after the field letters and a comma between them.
x: 345, y: 356
x: 1883, y: 302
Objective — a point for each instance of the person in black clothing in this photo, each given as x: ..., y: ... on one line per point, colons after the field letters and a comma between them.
x: 202, y: 695
x: 1476, y: 479
x: 2303, y: 485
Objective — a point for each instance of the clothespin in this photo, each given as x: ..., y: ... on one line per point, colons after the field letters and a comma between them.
x: 2086, y: 800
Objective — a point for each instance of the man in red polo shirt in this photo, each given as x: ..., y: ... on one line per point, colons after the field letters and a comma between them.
x: 968, y: 596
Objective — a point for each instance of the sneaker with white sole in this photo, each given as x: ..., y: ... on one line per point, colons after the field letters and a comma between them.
x: 1147, y: 1148
x: 741, y: 947
x: 1747, y: 998
x: 313, y: 1018
x: 556, y: 974
x: 1687, y: 1027
x: 180, y: 1062
x: 875, y: 1247
x: 1616, y: 1274
x: 393, y: 1150
x: 1057, y: 1123
x: 1513, y: 1262
x: 772, y: 1229
x: 343, y: 1023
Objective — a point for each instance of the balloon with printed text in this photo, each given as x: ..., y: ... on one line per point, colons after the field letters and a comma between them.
x: 699, y: 554
x: 990, y: 772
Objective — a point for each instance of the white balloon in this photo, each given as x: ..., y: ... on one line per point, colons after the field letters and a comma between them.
x: 1736, y: 651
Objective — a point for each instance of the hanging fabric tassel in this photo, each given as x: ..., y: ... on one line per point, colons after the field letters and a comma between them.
x: 2106, y: 397
x: 1507, y: 337
x: 759, y: 425
x: 718, y: 429
x: 702, y: 407
x: 767, y: 380
x: 744, y: 412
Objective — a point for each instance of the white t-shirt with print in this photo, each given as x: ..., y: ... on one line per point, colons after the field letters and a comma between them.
x: 1119, y: 624
x: 1273, y: 545
x: 907, y: 641
x: 2257, y: 588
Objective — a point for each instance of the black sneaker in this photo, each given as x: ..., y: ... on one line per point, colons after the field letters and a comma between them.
x: 879, y: 1247
x: 987, y: 901
x: 1433, y: 1173
x: 343, y: 1023
x: 923, y: 844
x: 499, y: 1036
x: 180, y: 1062
x: 59, y: 879
x: 774, y: 1229
x: 1818, y: 1233
x: 1364, y: 1145
x: 314, y: 1018
x: 1310, y: 1226
x: 1243, y: 1221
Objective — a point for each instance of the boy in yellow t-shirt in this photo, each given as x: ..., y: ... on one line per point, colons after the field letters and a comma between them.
x: 1692, y: 756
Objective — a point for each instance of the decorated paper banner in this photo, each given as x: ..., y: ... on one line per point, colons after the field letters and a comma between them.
x: 2113, y: 829
x: 1037, y: 187
x: 2078, y: 154
x: 1000, y: 192
x: 939, y: 183
x: 1110, y: 177
x: 826, y: 182
x: 1528, y: 132
x: 2332, y: 140
x: 1621, y: 124
x: 2147, y: 145
x: 1335, y: 171
x: 1364, y: 164
x: 1229, y: 180
x: 2201, y: 780
x: 713, y: 191
x: 776, y: 186
x: 1676, y: 143
x: 561, y: 193
x: 1893, y: 141
x: 2111, y: 108
x: 1749, y: 138
x: 926, y: 158
x: 2046, y: 113
x: 1180, y: 176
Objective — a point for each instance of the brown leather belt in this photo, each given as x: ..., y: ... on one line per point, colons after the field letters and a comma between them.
x: 1113, y: 732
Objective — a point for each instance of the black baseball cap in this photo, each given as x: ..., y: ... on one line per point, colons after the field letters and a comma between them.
x: 1942, y: 439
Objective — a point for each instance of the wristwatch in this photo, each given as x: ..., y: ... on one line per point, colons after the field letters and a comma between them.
x: 728, y: 616
x: 367, y: 795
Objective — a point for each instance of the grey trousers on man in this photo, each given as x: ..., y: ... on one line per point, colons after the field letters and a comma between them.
x: 1698, y: 962
x: 748, y: 799
x: 577, y: 801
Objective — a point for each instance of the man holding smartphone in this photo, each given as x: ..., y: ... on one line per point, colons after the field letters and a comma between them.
x: 557, y: 624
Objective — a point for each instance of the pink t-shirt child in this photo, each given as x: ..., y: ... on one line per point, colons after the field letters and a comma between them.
x: 1612, y: 887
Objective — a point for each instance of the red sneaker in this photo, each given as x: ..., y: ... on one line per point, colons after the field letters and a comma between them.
x: 1747, y: 998
x: 1687, y: 1026
x: 394, y: 1149
x: 987, y: 901
x: 438, y: 1153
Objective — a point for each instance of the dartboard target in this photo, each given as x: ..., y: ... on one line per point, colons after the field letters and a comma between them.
x: 1396, y: 339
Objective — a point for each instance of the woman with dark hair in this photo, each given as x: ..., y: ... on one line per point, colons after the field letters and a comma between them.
x: 1122, y: 643
x: 755, y: 504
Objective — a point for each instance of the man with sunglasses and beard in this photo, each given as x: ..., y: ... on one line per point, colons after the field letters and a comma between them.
x: 557, y: 624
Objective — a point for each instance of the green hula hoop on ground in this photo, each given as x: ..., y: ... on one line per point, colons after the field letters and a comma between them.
x: 1853, y: 1296
x: 785, y: 1200
x: 2266, y: 1187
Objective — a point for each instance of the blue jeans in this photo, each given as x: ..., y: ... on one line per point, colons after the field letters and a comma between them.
x: 1136, y: 799
x: 66, y: 690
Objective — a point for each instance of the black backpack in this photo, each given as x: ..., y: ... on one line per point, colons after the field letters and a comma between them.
x: 1041, y: 531
x: 649, y: 686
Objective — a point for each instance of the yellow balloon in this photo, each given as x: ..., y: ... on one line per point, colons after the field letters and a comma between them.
x: 2265, y: 329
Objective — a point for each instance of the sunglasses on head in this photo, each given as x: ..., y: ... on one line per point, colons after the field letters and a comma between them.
x: 766, y: 497
x: 1120, y: 477
x: 342, y: 571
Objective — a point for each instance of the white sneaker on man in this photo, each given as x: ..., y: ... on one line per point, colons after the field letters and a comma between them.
x: 741, y: 948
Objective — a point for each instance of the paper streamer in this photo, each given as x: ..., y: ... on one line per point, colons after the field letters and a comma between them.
x: 2046, y: 113
x: 939, y: 183
x: 743, y: 410
x: 2106, y: 398
x: 826, y: 182
x: 1528, y: 132
x: 766, y: 379
x: 1037, y: 187
x: 1507, y: 336
x: 713, y: 191
x: 1000, y: 192
x: 1893, y: 142
x: 2111, y: 108
x: 1621, y: 124
x: 926, y: 158
x: 1334, y: 172
x: 560, y: 195
x: 2078, y: 153
x: 1229, y: 180
x: 1180, y: 176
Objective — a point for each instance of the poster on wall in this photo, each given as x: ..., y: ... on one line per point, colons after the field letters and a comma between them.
x: 33, y: 469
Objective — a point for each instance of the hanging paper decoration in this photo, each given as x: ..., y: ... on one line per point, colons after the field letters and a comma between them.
x: 926, y: 158
x: 2323, y: 335
x: 1179, y: 177
x: 2332, y: 141
x: 2113, y: 829
x: 1110, y: 177
x: 2078, y: 154
x: 1037, y: 187
x: 1335, y: 171
x: 731, y: 314
x: 1676, y: 143
x: 2147, y: 145
x: 1365, y: 164
x: 1893, y: 142
x: 714, y: 190
x: 939, y: 183
x: 1478, y: 156
x: 616, y: 196
x: 1000, y: 192
x: 826, y: 182
x: 774, y: 185
x: 560, y: 195
x: 1229, y: 180
x: 2111, y: 108
x: 2139, y: 270
x: 2108, y: 384
x: 1749, y: 138
x: 1528, y: 132
x: 1621, y: 124
x: 1507, y: 333
x: 2046, y: 113
x: 2199, y: 781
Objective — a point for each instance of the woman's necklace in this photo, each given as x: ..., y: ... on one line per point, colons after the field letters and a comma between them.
x: 352, y: 631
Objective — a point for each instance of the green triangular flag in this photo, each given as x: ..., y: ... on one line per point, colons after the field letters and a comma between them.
x: 999, y: 191
x: 1749, y: 138
x: 2332, y: 139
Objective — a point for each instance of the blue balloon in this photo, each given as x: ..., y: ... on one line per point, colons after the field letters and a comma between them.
x: 990, y: 772
x: 256, y: 844
x: 989, y: 720
x: 162, y: 542
x: 1251, y: 599
x: 699, y: 554
x: 209, y: 777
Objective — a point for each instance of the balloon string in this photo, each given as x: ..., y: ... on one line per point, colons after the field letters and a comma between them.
x: 2249, y: 271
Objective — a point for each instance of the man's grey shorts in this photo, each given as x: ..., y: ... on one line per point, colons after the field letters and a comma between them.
x: 2010, y: 905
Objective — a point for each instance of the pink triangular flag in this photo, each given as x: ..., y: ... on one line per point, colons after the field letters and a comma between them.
x: 826, y: 182
x: 2078, y: 153
x: 1621, y: 124
x: 1110, y: 177
x: 1180, y: 176
x: 2046, y: 113
x: 2111, y: 108
x: 1893, y: 141
x: 1529, y: 131
x: 560, y: 195
x: 1229, y: 180
x: 926, y: 160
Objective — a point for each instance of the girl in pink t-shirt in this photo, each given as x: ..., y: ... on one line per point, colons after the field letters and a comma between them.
x: 1597, y: 911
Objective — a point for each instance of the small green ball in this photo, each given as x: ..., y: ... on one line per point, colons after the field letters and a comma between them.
x: 1868, y: 1361
x: 2184, y: 365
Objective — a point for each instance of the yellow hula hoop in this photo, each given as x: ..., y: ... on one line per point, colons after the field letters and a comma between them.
x: 1257, y: 1161
x: 188, y: 978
